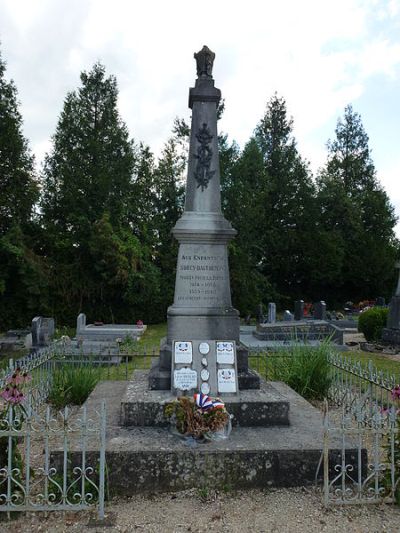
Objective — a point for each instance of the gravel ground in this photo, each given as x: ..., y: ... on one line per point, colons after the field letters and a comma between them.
x: 290, y: 510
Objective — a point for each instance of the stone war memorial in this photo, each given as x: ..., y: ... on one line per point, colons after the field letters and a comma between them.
x: 276, y: 437
x: 202, y: 308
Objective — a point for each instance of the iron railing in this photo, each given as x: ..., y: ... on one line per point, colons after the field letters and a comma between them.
x: 52, y: 461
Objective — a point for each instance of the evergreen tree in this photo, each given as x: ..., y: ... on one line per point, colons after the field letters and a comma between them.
x: 243, y: 196
x: 18, y: 186
x: 287, y: 225
x: 169, y: 179
x: 91, y: 194
x: 21, y: 271
x: 357, y: 211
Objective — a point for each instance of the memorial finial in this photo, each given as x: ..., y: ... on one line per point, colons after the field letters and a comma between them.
x: 204, y: 60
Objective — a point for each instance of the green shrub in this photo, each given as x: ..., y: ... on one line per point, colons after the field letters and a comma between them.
x: 371, y: 323
x: 305, y: 369
x: 72, y: 384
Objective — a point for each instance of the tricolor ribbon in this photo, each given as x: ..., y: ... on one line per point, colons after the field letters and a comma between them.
x: 218, y: 404
x: 204, y: 402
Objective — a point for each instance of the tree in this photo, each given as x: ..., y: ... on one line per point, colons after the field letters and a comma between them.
x: 357, y: 211
x: 287, y: 225
x: 168, y: 206
x: 92, y: 207
x: 243, y: 200
x: 18, y: 186
x: 21, y: 272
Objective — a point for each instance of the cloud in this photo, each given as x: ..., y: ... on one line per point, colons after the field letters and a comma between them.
x: 318, y: 55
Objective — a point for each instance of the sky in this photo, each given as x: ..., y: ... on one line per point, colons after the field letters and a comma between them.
x: 320, y: 55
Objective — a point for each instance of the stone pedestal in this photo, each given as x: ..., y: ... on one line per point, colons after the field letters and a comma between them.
x: 391, y: 334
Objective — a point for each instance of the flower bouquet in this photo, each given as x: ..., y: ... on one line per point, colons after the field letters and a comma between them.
x: 199, y: 417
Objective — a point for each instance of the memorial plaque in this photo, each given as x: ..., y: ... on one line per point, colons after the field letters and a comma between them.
x: 204, y: 348
x: 204, y: 374
x: 183, y: 352
x: 226, y: 380
x: 225, y: 353
x: 205, y: 388
x: 185, y: 379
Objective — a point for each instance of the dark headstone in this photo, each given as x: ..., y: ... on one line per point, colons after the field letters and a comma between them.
x: 380, y: 301
x: 320, y: 310
x: 271, y: 313
x: 260, y: 314
x: 298, y: 310
x: 42, y: 331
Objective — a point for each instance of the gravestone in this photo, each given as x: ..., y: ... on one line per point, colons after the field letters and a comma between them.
x: 391, y: 334
x: 287, y: 316
x: 107, y: 332
x: 202, y: 307
x: 320, y: 310
x: 299, y: 309
x: 271, y: 313
x: 260, y: 314
x: 42, y: 331
x: 380, y: 301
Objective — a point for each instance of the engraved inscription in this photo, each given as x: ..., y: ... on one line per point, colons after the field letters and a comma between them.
x: 202, y: 278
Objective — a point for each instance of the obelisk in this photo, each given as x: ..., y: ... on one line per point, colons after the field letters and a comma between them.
x: 202, y: 307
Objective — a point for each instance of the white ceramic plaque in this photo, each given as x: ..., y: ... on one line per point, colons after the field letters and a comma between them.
x: 185, y: 379
x: 205, y: 388
x: 226, y: 380
x: 204, y: 374
x: 183, y: 352
x: 225, y: 353
x: 204, y: 348
x: 204, y: 361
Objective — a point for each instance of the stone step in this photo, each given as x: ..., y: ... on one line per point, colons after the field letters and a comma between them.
x: 153, y: 459
x: 263, y: 407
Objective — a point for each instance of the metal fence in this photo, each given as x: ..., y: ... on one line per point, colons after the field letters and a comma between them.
x: 366, y: 433
x: 111, y: 363
x: 367, y: 467
x: 52, y: 461
x: 354, y: 382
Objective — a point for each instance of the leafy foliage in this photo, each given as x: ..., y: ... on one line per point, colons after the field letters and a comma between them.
x: 372, y: 321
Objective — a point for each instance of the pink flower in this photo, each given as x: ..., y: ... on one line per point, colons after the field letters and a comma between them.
x: 7, y: 393
x: 396, y: 392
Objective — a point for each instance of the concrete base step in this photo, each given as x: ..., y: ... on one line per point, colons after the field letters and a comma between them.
x: 152, y: 459
x: 263, y: 407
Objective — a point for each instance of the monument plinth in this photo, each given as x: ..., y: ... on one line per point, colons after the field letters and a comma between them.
x: 202, y: 307
x: 391, y: 334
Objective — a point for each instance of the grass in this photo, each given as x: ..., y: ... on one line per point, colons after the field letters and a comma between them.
x: 380, y: 361
x: 153, y: 334
x: 304, y: 368
x: 72, y: 384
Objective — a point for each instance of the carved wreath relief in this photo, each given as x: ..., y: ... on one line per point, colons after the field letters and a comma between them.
x: 202, y: 172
